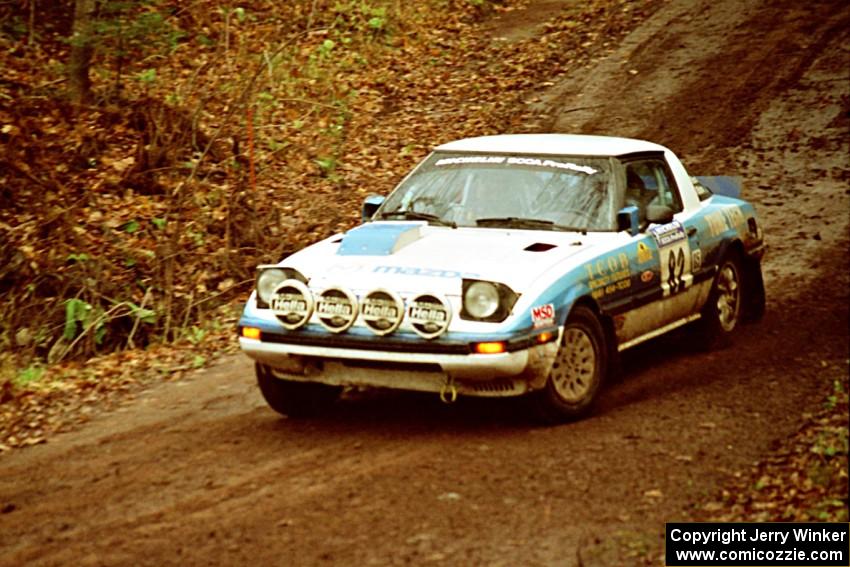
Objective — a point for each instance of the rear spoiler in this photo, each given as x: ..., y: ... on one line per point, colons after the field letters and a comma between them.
x: 728, y: 186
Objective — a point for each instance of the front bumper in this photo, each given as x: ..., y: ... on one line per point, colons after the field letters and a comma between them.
x: 410, y: 365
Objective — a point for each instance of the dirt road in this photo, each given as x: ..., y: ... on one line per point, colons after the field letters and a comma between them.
x: 201, y: 472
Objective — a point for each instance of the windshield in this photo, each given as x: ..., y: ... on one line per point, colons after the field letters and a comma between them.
x: 539, y: 192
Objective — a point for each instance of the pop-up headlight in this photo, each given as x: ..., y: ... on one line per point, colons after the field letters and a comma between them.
x: 487, y: 301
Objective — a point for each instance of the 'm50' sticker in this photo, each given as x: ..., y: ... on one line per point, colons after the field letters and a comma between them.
x: 543, y: 315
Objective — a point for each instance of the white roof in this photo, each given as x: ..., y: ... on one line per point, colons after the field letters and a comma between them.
x: 553, y: 144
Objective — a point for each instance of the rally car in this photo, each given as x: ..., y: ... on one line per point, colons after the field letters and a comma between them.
x: 513, y: 265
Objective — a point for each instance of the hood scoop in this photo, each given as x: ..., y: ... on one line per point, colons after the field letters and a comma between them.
x: 379, y: 239
x: 539, y: 247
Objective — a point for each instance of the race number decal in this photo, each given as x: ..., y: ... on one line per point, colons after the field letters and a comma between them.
x: 675, y: 270
x: 675, y: 255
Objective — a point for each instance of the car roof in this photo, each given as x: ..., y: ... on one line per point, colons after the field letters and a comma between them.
x: 552, y: 144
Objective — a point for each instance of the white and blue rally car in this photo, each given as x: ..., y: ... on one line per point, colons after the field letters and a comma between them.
x: 515, y: 265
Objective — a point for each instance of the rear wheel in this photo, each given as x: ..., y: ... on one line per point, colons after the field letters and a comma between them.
x: 295, y: 399
x: 722, y: 313
x: 578, y: 371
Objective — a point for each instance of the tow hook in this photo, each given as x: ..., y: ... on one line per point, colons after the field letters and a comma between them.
x: 448, y: 393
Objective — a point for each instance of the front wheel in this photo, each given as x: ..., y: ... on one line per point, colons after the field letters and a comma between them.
x: 578, y: 371
x: 295, y: 399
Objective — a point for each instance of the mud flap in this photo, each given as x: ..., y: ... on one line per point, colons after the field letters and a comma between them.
x: 754, y: 294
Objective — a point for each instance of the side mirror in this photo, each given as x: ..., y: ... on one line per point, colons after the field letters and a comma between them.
x: 627, y: 219
x: 370, y: 205
x: 659, y: 214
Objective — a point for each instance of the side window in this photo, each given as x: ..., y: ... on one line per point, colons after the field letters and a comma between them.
x: 647, y: 184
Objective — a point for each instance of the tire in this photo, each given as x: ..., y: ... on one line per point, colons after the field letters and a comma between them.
x: 578, y: 372
x: 294, y: 399
x: 723, y: 312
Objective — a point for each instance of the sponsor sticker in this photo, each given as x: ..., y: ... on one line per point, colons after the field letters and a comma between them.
x: 619, y: 322
x: 422, y: 272
x: 400, y: 271
x: 644, y: 254
x: 735, y: 217
x: 551, y: 163
x: 696, y: 259
x: 543, y: 315
x: 668, y: 234
x: 717, y: 223
x: 469, y: 159
x: 609, y: 275
x: 537, y: 162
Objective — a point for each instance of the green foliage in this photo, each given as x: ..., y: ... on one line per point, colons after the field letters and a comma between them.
x: 76, y: 311
x: 195, y: 334
x: 80, y: 313
x: 79, y: 258
x: 147, y: 76
x: 359, y: 16
x: 197, y: 237
x: 99, y: 328
x: 327, y: 164
x: 131, y: 226
x: 205, y: 40
x: 30, y: 374
x: 837, y: 396
x: 325, y: 49
x: 144, y: 315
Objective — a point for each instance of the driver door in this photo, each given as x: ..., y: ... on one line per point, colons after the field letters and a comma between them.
x: 663, y: 255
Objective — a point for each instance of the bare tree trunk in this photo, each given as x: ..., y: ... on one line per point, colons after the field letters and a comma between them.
x: 82, y: 47
x: 31, y: 32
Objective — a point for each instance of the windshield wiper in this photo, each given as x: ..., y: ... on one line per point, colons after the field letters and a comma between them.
x: 517, y: 222
x: 414, y: 215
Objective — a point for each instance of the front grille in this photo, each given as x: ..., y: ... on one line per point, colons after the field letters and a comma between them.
x: 492, y: 386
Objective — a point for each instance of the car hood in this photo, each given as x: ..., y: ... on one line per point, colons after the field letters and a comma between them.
x: 414, y: 257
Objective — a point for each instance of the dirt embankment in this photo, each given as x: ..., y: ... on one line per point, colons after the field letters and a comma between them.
x: 202, y: 472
